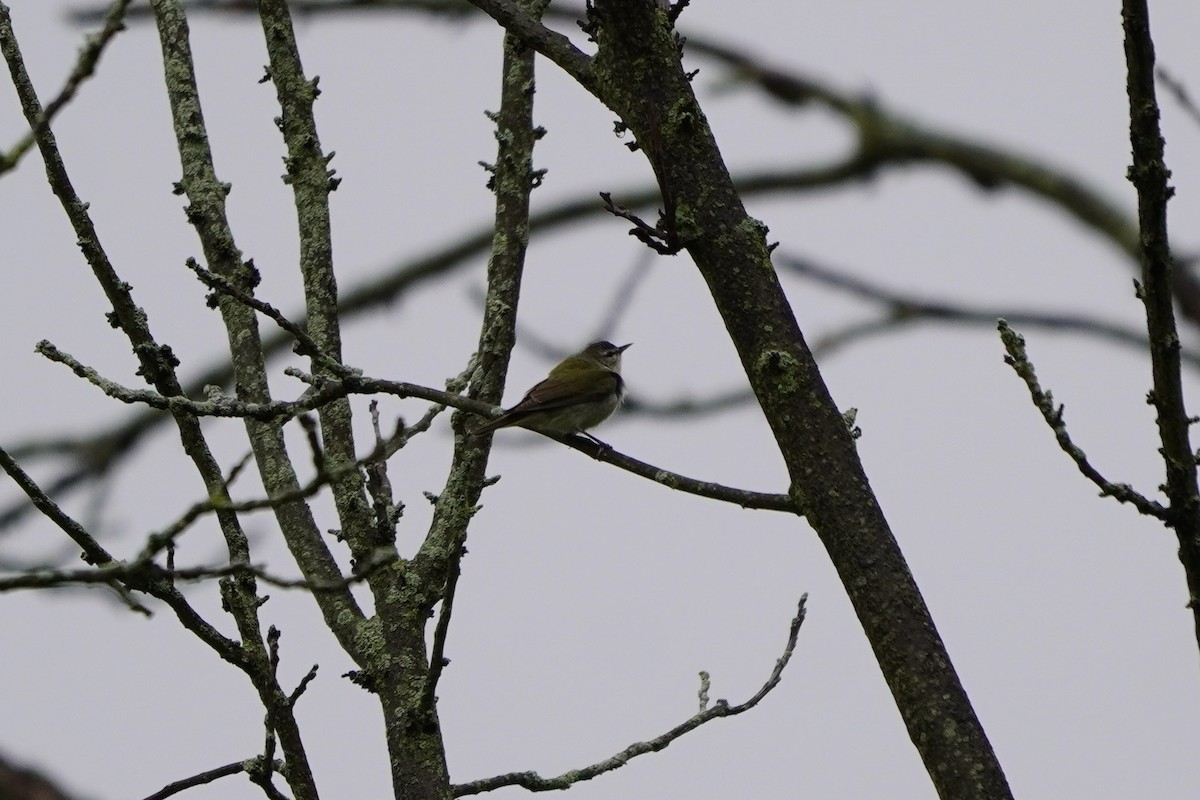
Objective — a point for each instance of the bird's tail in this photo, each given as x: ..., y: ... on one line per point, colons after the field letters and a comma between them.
x: 488, y: 425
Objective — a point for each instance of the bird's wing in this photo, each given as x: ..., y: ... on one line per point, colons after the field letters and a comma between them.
x: 559, y: 392
x: 553, y: 393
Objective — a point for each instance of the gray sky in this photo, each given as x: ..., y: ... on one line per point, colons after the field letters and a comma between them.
x: 590, y: 598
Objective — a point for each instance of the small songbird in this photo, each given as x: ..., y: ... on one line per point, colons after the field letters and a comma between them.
x: 580, y: 393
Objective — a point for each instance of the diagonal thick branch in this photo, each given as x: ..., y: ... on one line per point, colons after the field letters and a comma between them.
x: 656, y: 102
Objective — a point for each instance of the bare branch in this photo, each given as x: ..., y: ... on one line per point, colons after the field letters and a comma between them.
x: 304, y: 343
x: 311, y: 182
x: 536, y: 783
x: 1017, y: 358
x: 673, y: 480
x: 662, y: 238
x: 308, y: 678
x: 1149, y: 175
x: 531, y: 32
x: 85, y: 67
x: 1084, y: 201
x: 909, y: 308
x: 326, y: 390
x: 141, y: 572
x: 202, y: 778
x: 353, y: 384
x: 93, y: 552
x: 513, y: 181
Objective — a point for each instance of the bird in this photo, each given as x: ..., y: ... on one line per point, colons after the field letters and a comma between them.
x: 578, y: 394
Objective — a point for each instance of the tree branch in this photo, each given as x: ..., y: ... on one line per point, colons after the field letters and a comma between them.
x: 903, y: 308
x: 657, y: 103
x: 325, y: 390
x: 536, y: 783
x: 513, y: 181
x: 673, y: 480
x: 1017, y: 358
x: 95, y: 554
x: 528, y: 29
x: 139, y: 573
x: 100, y: 453
x: 85, y: 67
x: 312, y: 181
x: 202, y: 778
x: 1149, y: 176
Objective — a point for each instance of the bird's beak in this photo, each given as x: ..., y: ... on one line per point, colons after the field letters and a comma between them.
x: 624, y: 347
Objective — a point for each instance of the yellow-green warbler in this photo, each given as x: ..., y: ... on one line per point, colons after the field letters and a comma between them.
x: 580, y: 393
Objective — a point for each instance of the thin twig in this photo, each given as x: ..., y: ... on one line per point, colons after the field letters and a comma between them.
x: 1017, y: 358
x: 325, y: 390
x: 96, y: 554
x: 85, y: 67
x: 904, y: 308
x: 454, y: 388
x: 305, y: 345
x: 536, y: 783
x: 265, y: 766
x: 379, y: 486
x: 308, y: 678
x: 93, y: 552
x: 141, y: 572
x: 661, y: 239
x: 437, y: 654
x: 165, y: 538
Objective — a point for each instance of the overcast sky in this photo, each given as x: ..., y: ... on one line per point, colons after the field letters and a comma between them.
x: 591, y: 598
